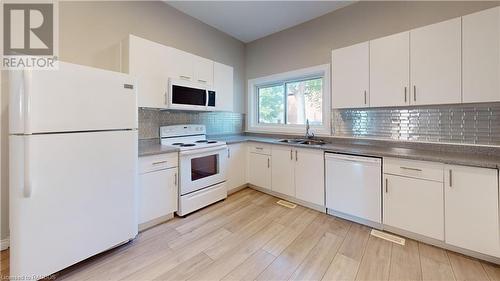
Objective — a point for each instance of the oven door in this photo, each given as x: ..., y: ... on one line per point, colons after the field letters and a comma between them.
x: 201, y: 168
x: 186, y: 95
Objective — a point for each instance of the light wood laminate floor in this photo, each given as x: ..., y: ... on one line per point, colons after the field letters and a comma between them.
x: 250, y: 237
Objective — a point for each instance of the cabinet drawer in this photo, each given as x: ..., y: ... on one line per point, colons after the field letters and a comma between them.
x: 157, y: 162
x: 259, y: 148
x: 416, y: 169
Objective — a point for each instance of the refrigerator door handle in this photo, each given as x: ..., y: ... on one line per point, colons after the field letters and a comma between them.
x: 26, y: 101
x: 27, y: 188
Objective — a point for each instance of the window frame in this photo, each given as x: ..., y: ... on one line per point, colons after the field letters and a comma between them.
x: 318, y: 71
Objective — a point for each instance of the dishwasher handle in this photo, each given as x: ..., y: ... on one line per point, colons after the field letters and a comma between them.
x: 352, y: 158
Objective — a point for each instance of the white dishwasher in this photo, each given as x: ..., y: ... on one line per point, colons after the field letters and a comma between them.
x: 354, y: 187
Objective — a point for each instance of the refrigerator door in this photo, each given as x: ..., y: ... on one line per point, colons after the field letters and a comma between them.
x: 71, y: 196
x: 73, y: 98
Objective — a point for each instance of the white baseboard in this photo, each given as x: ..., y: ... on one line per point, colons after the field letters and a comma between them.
x: 4, y: 244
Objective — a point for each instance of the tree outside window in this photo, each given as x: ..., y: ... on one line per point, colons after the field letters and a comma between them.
x: 291, y: 102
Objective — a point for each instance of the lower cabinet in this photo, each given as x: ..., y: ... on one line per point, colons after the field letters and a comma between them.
x: 310, y: 176
x: 158, y: 188
x: 299, y: 173
x: 236, y: 166
x: 283, y: 170
x: 259, y: 170
x: 415, y: 205
x: 471, y: 209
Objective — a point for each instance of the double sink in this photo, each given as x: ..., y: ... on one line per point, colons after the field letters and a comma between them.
x: 303, y: 141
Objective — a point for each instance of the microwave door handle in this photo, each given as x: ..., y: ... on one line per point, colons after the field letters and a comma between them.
x: 207, y: 98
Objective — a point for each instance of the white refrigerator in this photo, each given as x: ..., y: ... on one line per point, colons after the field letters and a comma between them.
x: 73, y: 166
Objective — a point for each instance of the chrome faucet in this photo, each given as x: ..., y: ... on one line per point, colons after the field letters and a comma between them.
x: 308, y: 134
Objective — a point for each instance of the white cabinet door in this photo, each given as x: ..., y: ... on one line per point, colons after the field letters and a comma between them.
x: 173, y: 190
x: 223, y: 85
x: 203, y: 70
x: 471, y: 209
x: 414, y: 205
x: 310, y: 176
x: 390, y: 70
x: 151, y: 70
x: 283, y: 170
x: 157, y: 194
x: 236, y: 165
x: 259, y: 170
x: 435, y: 68
x: 481, y: 56
x: 350, y: 76
x: 182, y: 64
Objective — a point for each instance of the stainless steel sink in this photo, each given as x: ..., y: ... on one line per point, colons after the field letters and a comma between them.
x: 313, y: 142
x: 291, y: 140
x: 303, y: 141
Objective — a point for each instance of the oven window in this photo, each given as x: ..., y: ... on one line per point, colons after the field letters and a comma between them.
x: 203, y: 167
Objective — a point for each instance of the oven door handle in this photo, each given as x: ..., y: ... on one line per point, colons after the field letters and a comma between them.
x: 204, y: 150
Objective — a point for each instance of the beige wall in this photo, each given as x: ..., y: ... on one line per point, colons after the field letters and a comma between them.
x: 311, y: 43
x: 90, y: 33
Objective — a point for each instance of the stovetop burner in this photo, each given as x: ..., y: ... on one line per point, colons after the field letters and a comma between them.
x: 201, y: 141
x: 211, y: 141
x: 177, y: 143
x: 187, y: 144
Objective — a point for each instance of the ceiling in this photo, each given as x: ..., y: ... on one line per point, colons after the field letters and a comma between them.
x: 251, y: 20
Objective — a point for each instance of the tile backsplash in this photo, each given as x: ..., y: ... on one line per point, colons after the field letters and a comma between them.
x: 217, y: 123
x: 465, y: 123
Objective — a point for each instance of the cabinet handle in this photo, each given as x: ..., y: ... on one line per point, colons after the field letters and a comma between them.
x: 259, y: 148
x: 411, y: 169
x: 175, y: 179
x: 185, y: 77
x: 450, y: 177
x: 291, y: 154
x: 414, y: 93
x: 159, y: 162
x: 296, y: 156
x: 202, y: 81
x: 365, y: 96
x: 386, y: 185
x: 268, y: 163
x: 228, y: 153
x: 406, y: 96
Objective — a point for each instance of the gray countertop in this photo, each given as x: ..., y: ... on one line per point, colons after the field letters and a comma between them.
x: 452, y: 154
x: 455, y: 156
x: 153, y: 147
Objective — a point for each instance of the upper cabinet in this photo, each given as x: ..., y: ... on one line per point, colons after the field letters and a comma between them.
x: 481, y: 56
x: 154, y: 64
x: 390, y: 70
x: 148, y: 61
x: 350, y: 76
x: 455, y: 61
x: 223, y: 85
x: 435, y: 63
x: 203, y: 70
x: 181, y: 64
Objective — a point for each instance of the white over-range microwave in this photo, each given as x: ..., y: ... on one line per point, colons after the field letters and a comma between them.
x: 187, y: 95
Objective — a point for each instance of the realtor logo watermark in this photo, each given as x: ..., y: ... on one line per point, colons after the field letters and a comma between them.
x: 29, y: 35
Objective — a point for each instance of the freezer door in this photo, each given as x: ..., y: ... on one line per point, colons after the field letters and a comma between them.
x: 71, y: 99
x: 71, y: 196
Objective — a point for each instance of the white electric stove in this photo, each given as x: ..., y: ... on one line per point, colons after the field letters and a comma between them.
x: 202, y: 166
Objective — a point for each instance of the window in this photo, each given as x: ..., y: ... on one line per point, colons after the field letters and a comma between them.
x: 284, y: 102
x: 292, y: 102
